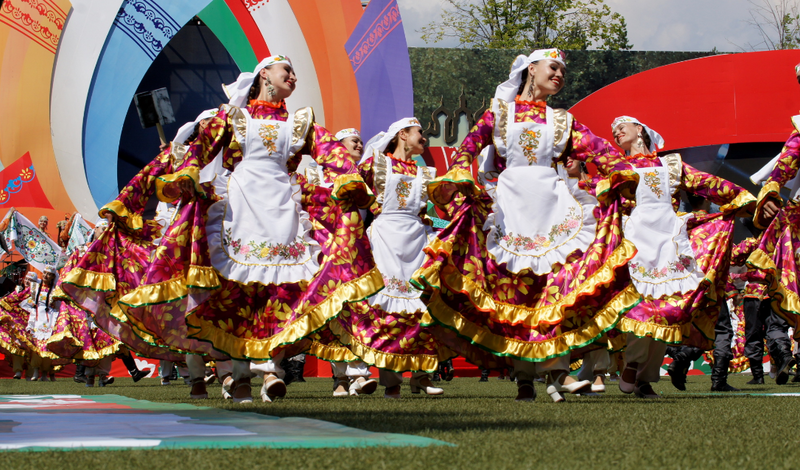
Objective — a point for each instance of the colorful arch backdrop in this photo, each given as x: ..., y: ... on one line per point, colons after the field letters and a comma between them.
x: 68, y: 71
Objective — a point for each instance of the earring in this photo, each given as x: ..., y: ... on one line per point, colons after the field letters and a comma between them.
x: 640, y: 141
x: 270, y: 89
x: 529, y: 94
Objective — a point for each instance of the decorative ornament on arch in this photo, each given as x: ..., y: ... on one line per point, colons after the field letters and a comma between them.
x: 39, y: 20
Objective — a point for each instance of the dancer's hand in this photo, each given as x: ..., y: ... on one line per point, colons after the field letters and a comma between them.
x: 769, y: 210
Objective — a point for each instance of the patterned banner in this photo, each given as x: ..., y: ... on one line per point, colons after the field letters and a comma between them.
x: 39, y: 250
x: 39, y: 20
x: 378, y: 54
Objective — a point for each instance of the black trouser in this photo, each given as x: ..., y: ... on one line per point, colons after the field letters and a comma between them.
x: 724, y: 334
x: 761, y: 322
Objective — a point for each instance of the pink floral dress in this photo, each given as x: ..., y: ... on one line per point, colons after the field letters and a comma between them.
x: 510, y: 274
x: 683, y: 280
x: 246, y: 309
x: 777, y: 255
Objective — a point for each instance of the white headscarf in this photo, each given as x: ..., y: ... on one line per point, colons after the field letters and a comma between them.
x: 507, y: 90
x: 655, y: 138
x: 186, y: 130
x: 381, y: 141
x: 345, y: 133
x: 239, y: 90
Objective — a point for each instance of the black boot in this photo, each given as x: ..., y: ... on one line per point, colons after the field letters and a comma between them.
x: 719, y: 375
x: 680, y: 366
x: 80, y: 377
x: 797, y: 368
x: 784, y: 361
x: 484, y: 375
x: 288, y: 368
x: 299, y: 368
x: 757, y: 368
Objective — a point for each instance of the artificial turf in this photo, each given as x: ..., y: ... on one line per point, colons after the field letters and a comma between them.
x: 691, y: 429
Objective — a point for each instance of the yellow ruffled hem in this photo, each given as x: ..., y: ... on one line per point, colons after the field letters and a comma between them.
x: 197, y: 277
x: 328, y: 352
x: 352, y: 186
x: 391, y: 361
x: 131, y: 220
x: 316, y: 318
x: 442, y: 190
x: 99, y: 282
x: 82, y: 354
x: 13, y: 349
x: 784, y: 302
x: 672, y: 334
x: 193, y: 173
x: 516, y: 314
x: 743, y: 204
x: 769, y: 192
x: 624, y: 181
x: 538, y: 351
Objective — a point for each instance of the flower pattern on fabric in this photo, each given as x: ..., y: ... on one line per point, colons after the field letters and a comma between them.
x: 393, y: 283
x: 268, y: 134
x: 32, y: 244
x: 653, y: 182
x: 529, y: 141
x: 403, y: 190
x: 683, y: 264
x: 569, y: 224
x: 265, y: 251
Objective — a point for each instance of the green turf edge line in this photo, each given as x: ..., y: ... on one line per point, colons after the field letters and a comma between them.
x: 221, y: 21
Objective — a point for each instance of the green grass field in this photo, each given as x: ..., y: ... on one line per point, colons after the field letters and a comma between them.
x: 692, y: 429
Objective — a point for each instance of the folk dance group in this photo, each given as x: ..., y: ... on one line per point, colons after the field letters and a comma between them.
x: 539, y: 265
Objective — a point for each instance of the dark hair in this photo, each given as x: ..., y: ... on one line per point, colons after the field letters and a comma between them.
x: 193, y: 135
x: 646, y: 138
x: 392, y: 146
x: 255, y: 88
x: 524, y: 81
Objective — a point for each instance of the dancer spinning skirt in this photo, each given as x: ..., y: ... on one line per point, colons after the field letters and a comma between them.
x: 254, y: 272
x: 777, y: 252
x: 385, y: 329
x: 681, y: 267
x: 515, y: 274
x: 75, y: 335
x: 114, y: 263
x: 14, y: 338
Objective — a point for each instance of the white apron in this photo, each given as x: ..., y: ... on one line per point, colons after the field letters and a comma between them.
x: 259, y: 232
x: 40, y: 320
x: 536, y: 221
x: 665, y: 262
x: 398, y: 234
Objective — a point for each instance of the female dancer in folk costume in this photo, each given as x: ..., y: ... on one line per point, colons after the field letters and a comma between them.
x: 116, y: 261
x: 385, y: 330
x: 351, y: 374
x: 75, y: 334
x: 41, y: 318
x: 255, y: 272
x: 776, y: 256
x: 14, y: 336
x: 150, y: 329
x: 516, y: 274
x: 682, y: 262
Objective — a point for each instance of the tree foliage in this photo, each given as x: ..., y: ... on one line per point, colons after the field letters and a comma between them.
x: 778, y: 23
x: 530, y: 24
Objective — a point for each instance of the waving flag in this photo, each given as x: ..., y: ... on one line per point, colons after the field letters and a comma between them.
x: 39, y: 250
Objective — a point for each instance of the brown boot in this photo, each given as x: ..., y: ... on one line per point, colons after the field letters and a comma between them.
x: 199, y: 391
